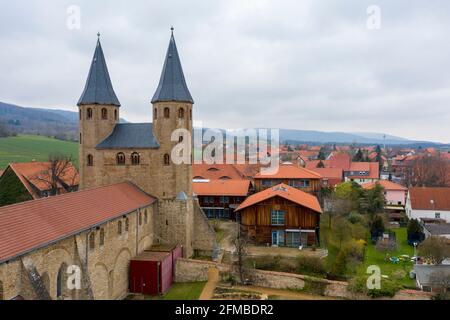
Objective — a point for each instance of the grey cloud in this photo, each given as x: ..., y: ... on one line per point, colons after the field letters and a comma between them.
x: 291, y: 64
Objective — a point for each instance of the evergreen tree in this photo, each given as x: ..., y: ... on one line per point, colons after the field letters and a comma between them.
x: 359, y: 156
x: 320, y: 164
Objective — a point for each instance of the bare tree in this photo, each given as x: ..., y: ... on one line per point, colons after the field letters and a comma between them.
x: 440, y: 281
x: 240, y: 244
x: 60, y: 173
x: 429, y: 171
x: 435, y: 249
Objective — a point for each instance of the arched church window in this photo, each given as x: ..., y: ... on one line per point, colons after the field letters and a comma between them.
x: 2, y: 297
x: 104, y: 114
x: 127, y: 224
x: 180, y: 139
x: 190, y: 114
x: 181, y: 113
x: 145, y: 217
x: 92, y: 241
x: 166, y: 159
x: 135, y: 159
x: 119, y: 227
x: 80, y: 138
x: 90, y: 160
x: 115, y: 114
x: 89, y: 113
x: 155, y: 114
x: 102, y: 237
x: 61, y: 282
x: 120, y: 158
x: 79, y: 112
x: 166, y: 113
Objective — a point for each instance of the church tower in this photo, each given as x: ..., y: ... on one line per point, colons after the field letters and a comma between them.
x: 172, y: 110
x: 98, y: 115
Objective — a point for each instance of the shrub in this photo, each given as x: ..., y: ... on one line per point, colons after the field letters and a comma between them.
x: 355, y: 217
x: 355, y: 250
x: 339, y: 267
x: 399, y: 274
x: 311, y: 265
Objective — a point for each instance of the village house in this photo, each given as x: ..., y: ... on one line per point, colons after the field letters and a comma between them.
x: 394, y: 193
x: 437, y: 230
x: 330, y: 176
x: 281, y: 216
x: 428, y: 203
x: 362, y: 172
x: 297, y: 177
x: 33, y: 180
x: 219, y: 198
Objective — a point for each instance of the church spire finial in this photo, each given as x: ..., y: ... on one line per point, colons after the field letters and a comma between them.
x: 171, y: 29
x: 98, y: 35
x: 172, y: 85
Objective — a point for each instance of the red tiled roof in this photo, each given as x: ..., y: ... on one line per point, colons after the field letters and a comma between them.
x: 421, y: 198
x: 359, y: 166
x: 335, y: 173
x: 339, y: 160
x: 37, y: 174
x: 33, y: 224
x: 222, y: 188
x: 332, y: 175
x: 290, y: 172
x: 216, y: 171
x: 292, y: 194
x: 248, y: 170
x: 387, y: 185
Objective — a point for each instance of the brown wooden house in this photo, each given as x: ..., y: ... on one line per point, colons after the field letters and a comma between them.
x: 291, y: 175
x: 219, y: 198
x: 281, y: 216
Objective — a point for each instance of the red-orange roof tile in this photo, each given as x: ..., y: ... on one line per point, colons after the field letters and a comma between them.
x: 292, y: 194
x: 387, y: 185
x: 222, y: 188
x: 37, y: 174
x: 290, y: 172
x: 216, y: 171
x: 33, y: 224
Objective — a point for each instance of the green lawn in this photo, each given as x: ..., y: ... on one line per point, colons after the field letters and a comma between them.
x: 25, y: 148
x: 182, y: 291
x: 375, y: 257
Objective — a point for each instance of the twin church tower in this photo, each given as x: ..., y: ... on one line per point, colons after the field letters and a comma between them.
x: 112, y: 152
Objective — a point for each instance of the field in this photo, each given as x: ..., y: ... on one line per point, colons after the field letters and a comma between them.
x: 26, y: 148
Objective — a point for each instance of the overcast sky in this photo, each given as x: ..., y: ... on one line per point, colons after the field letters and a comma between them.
x: 293, y: 64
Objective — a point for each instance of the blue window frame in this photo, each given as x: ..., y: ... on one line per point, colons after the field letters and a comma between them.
x: 278, y: 218
x: 278, y: 238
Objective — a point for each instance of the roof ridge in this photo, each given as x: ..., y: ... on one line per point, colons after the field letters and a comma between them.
x: 59, y: 196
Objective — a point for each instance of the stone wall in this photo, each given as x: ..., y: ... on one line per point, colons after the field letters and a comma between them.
x: 205, y: 236
x: 105, y: 267
x: 188, y: 270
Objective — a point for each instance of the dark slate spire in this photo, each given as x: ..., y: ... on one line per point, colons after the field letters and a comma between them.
x: 98, y: 89
x: 172, y: 85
